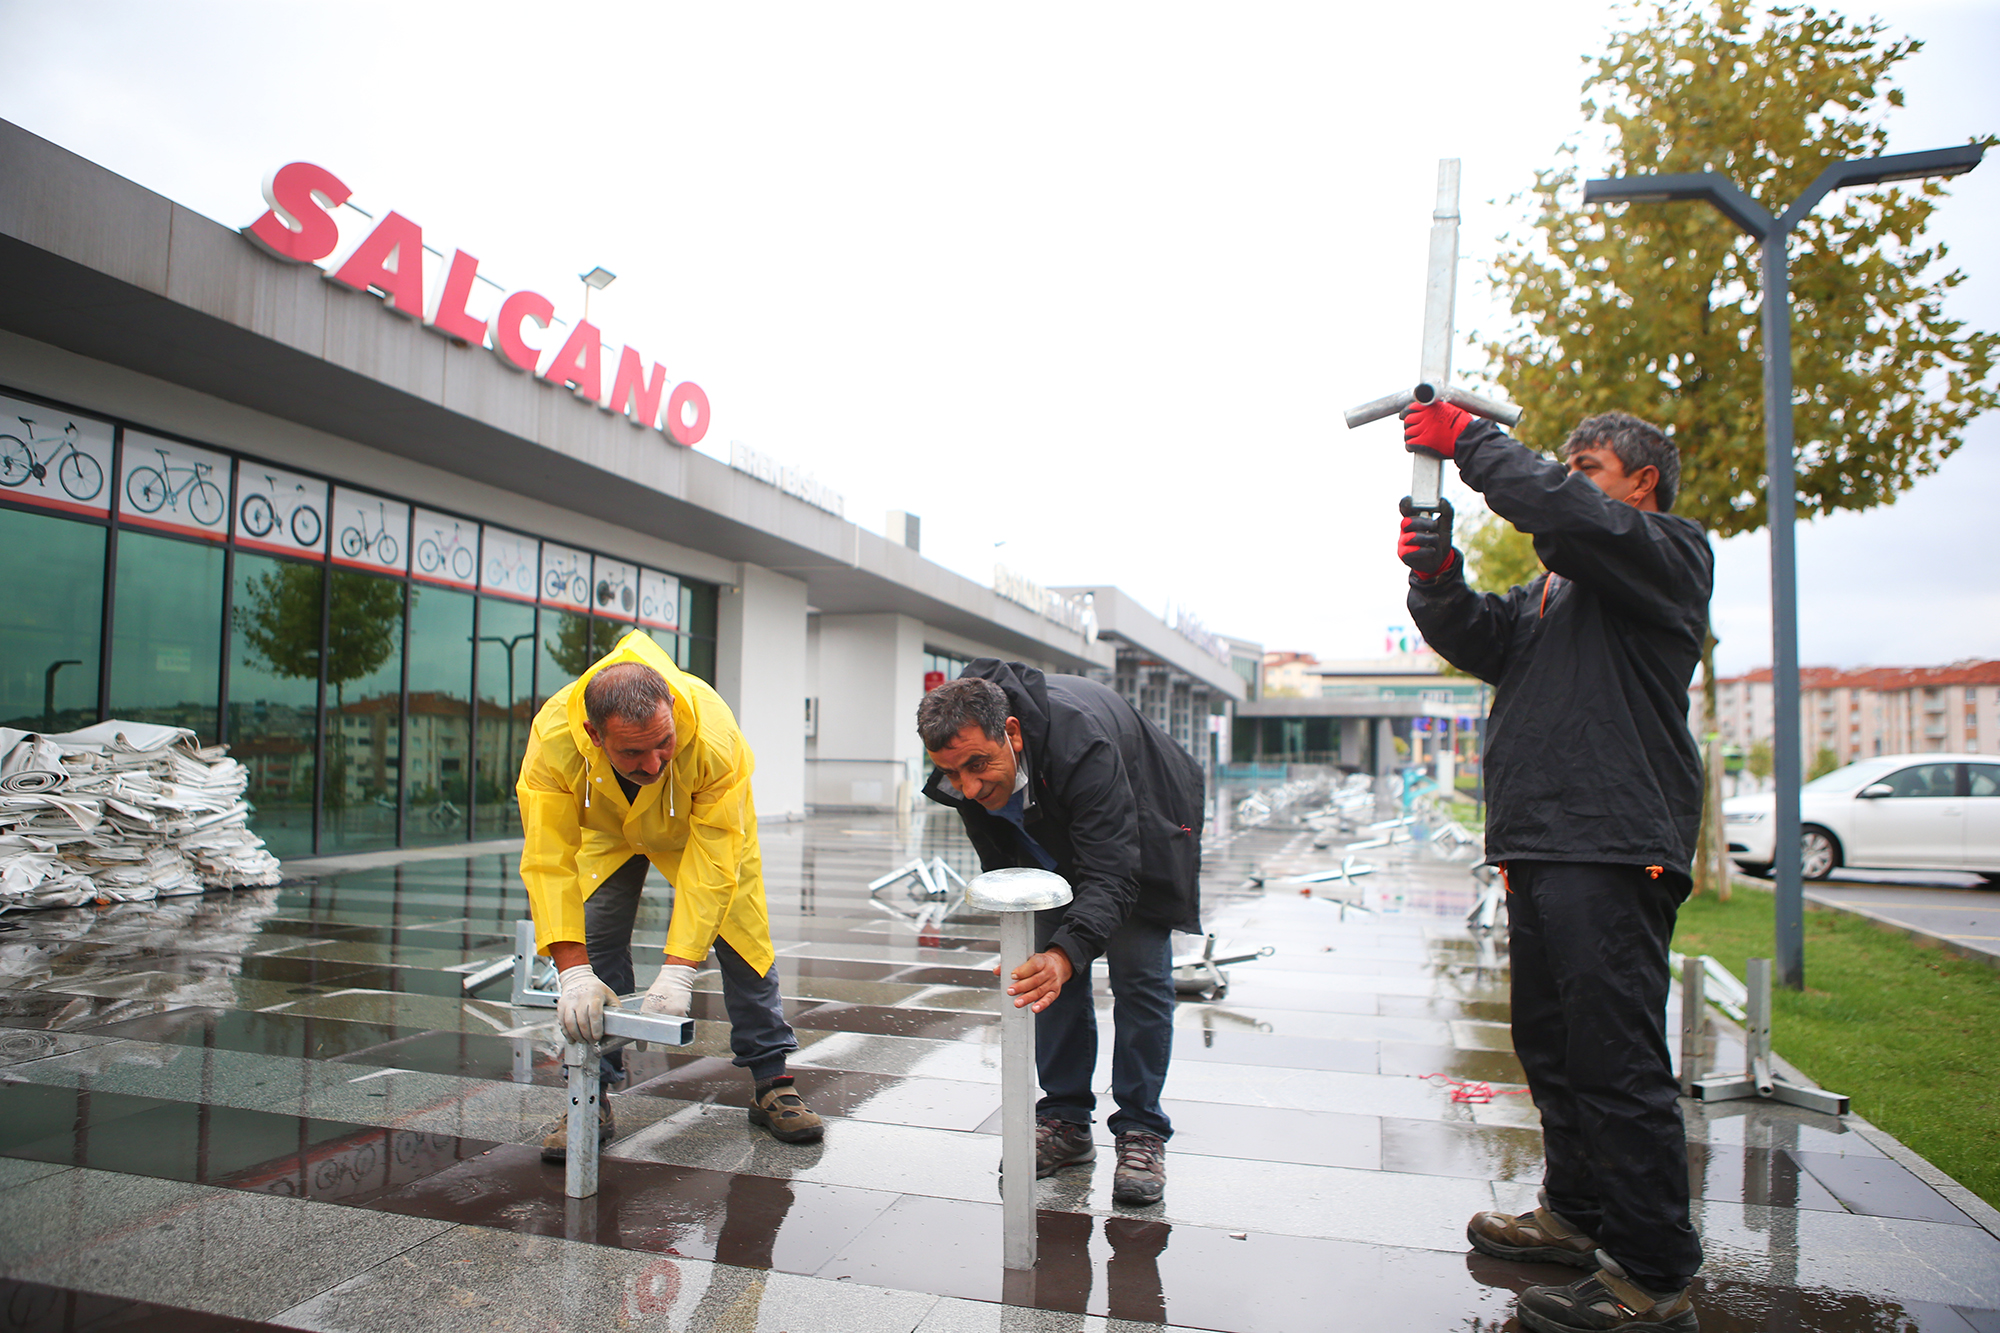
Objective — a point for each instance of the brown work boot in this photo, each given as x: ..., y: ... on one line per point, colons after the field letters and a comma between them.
x: 555, y: 1148
x: 1141, y: 1177
x: 780, y: 1109
x: 1542, y: 1236
x: 1608, y: 1301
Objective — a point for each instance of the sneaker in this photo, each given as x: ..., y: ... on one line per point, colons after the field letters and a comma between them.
x: 1543, y: 1237
x: 555, y: 1148
x: 780, y: 1109
x: 1141, y: 1177
x: 1605, y: 1301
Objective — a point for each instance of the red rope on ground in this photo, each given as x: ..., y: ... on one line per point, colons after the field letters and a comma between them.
x: 1475, y: 1092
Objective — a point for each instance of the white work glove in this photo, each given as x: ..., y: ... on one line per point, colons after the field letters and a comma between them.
x: 580, y: 1010
x: 672, y: 992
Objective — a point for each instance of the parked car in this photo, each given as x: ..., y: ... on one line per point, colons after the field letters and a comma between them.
x: 1889, y: 812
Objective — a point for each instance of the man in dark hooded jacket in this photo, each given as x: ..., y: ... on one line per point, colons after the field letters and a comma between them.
x: 1594, y: 797
x: 1060, y: 773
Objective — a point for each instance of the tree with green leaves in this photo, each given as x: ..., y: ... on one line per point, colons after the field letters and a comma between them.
x: 580, y: 640
x: 1498, y: 555
x: 1654, y: 310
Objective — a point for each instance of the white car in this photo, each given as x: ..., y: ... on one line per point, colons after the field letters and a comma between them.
x: 1891, y: 812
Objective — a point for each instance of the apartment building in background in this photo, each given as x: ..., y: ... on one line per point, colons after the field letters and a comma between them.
x: 1866, y: 711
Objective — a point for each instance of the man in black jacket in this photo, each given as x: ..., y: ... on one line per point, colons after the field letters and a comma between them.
x: 1594, y: 799
x: 1062, y: 774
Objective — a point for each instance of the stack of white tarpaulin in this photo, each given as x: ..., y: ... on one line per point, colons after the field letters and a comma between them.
x: 122, y: 812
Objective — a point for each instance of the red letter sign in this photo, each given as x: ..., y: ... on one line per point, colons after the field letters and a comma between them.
x: 580, y: 363
x: 635, y: 393
x: 679, y: 429
x: 450, y: 318
x: 398, y: 237
x: 507, y: 343
x: 299, y: 226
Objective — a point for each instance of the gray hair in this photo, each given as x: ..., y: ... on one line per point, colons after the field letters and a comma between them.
x: 946, y: 711
x: 1638, y: 444
x: 632, y: 692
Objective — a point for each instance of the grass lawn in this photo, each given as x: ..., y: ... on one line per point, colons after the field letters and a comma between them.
x: 1911, y: 1034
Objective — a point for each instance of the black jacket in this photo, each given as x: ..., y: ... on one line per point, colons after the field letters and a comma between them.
x: 1110, y: 796
x: 1588, y: 753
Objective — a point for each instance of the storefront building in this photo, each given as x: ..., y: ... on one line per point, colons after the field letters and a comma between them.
x: 360, y: 542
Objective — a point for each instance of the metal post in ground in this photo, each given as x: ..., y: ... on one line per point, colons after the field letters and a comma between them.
x: 1015, y: 895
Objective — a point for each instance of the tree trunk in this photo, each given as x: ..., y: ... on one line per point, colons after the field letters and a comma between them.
x: 1708, y: 854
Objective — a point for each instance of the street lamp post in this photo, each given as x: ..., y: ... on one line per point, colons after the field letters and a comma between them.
x: 1772, y: 235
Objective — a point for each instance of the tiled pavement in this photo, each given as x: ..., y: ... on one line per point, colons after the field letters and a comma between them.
x: 274, y: 1106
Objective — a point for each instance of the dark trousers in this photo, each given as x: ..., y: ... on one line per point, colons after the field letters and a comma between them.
x: 1588, y: 946
x: 758, y: 1032
x: 1140, y: 958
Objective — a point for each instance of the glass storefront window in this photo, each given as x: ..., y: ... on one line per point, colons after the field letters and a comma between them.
x: 437, y: 766
x: 166, y: 635
x: 364, y: 676
x: 569, y: 642
x: 506, y: 712
x: 51, y: 621
x: 274, y: 694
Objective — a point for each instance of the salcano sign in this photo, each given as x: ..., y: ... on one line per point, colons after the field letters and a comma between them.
x: 299, y: 228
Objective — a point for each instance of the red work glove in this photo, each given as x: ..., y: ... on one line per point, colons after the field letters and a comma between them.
x: 1425, y: 545
x: 1434, y: 426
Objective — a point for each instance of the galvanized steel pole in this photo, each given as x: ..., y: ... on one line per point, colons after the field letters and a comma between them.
x: 1015, y: 895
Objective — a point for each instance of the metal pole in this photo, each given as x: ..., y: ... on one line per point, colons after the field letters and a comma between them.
x: 580, y: 1162
x: 1694, y: 1015
x: 1017, y: 1099
x: 1440, y: 289
x: 1781, y: 519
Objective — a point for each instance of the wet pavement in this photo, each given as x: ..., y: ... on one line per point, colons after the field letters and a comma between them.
x: 277, y: 1108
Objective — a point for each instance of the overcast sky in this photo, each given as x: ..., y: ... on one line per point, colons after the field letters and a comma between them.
x: 1086, y: 287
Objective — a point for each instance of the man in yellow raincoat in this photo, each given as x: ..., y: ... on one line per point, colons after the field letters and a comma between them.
x: 637, y: 763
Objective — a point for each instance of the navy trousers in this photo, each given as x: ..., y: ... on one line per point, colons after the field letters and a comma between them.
x: 1140, y: 957
x: 1588, y: 946
x: 758, y: 1033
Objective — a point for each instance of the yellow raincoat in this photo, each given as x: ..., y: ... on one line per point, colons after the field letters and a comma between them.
x: 697, y: 824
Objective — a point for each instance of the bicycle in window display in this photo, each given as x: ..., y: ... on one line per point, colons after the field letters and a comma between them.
x: 659, y: 608
x: 568, y: 583
x: 431, y: 557
x: 518, y: 575
x: 620, y: 592
x: 149, y: 488
x: 260, y: 514
x: 380, y: 545
x: 81, y: 475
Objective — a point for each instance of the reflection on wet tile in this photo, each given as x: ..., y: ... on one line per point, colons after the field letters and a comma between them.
x: 32, y: 1112
x: 929, y: 1102
x: 475, y: 1280
x: 185, y: 1245
x: 1316, y: 1138
x: 33, y: 1306
x: 1732, y: 1174
x: 1475, y: 1152
x: 1443, y: 1008
x: 1878, y: 1187
x: 1136, y: 1269
x: 747, y: 1220
x: 1223, y: 1038
x: 1768, y: 1125
x: 1414, y: 1060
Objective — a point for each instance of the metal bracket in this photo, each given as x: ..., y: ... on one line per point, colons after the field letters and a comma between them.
x: 931, y: 875
x: 1758, y: 1082
x: 1200, y: 976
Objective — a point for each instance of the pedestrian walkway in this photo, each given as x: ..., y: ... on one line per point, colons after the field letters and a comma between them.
x: 276, y: 1107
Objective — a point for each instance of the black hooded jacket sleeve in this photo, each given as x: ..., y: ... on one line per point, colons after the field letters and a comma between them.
x: 1588, y: 753
x: 1111, y: 797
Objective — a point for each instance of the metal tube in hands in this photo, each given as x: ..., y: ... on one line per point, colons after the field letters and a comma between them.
x: 580, y: 1161
x: 1017, y: 1101
x: 1015, y: 895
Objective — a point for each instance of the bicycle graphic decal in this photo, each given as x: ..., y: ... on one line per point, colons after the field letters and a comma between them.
x: 659, y: 600
x: 511, y: 563
x: 369, y: 531
x: 51, y: 458
x: 615, y: 592
x: 565, y: 577
x: 280, y: 511
x: 447, y: 549
x: 175, y: 486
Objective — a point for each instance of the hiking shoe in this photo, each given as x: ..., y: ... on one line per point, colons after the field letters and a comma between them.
x: 1060, y: 1143
x: 1141, y: 1177
x: 781, y: 1110
x: 1543, y: 1236
x: 555, y: 1148
x: 1605, y: 1301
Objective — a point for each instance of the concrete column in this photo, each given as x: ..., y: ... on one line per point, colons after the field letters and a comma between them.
x: 760, y: 671
x: 1351, y: 729
x: 870, y: 674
